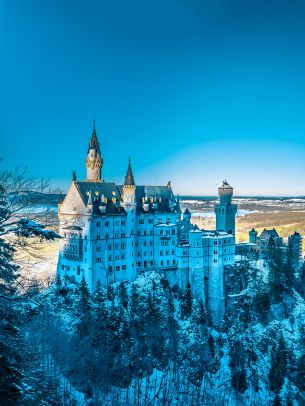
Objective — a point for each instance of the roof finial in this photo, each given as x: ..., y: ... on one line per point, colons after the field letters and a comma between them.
x: 94, y: 120
x: 74, y: 176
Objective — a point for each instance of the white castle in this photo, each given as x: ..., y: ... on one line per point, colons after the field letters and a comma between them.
x: 113, y: 232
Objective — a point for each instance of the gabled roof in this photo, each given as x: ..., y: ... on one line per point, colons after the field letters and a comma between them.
x: 108, y: 189
x: 271, y: 233
x: 160, y: 195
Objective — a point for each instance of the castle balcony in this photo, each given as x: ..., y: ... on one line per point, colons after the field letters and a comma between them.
x: 168, y: 267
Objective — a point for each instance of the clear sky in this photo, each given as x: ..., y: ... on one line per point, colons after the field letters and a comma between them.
x: 194, y: 91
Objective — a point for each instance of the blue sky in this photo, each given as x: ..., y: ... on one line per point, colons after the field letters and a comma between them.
x: 194, y: 91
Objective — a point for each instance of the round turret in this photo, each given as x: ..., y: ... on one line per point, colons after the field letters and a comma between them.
x: 225, y: 193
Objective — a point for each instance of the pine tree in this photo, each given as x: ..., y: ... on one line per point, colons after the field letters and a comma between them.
x: 123, y: 295
x: 186, y: 306
x: 83, y: 307
x: 10, y: 340
x: 278, y: 368
x: 58, y: 283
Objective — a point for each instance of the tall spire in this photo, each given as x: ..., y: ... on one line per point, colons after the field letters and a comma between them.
x: 129, y: 179
x: 94, y: 144
x: 94, y: 161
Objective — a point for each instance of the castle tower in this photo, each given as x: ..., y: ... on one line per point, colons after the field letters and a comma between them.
x: 187, y: 215
x: 253, y: 236
x: 94, y: 161
x: 129, y: 204
x: 225, y: 211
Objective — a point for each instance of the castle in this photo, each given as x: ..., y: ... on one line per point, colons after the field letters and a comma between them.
x: 113, y: 232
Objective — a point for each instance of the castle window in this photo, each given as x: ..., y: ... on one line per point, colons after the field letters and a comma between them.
x: 117, y: 268
x: 161, y: 253
x: 174, y: 262
x: 159, y: 221
x: 123, y: 235
x: 167, y: 232
x: 109, y: 247
x: 215, y: 251
x: 145, y: 243
x: 98, y: 248
x: 110, y: 268
x: 139, y: 233
x: 145, y: 232
x: 167, y: 252
x: 150, y: 221
x: 139, y: 263
x: 98, y: 260
x: 151, y: 232
x: 98, y: 236
x: 151, y: 263
x: 106, y: 223
x: 116, y: 235
x: 117, y: 257
x: 161, y: 232
x: 124, y: 267
x: 62, y: 267
x: 116, y: 223
x: 116, y: 247
x: 141, y: 221
x: 215, y: 242
x: 109, y: 257
x: 173, y: 252
x: 173, y: 231
x: 161, y: 263
x: 123, y: 256
x: 78, y: 270
x: 123, y: 222
x: 98, y: 224
x: 215, y: 261
x: 167, y: 262
x: 123, y: 246
x: 168, y: 221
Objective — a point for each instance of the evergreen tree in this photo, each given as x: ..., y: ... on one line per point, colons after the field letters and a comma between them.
x: 278, y: 367
x: 10, y: 340
x: 58, y: 283
x: 186, y: 306
x: 83, y: 307
x: 123, y: 295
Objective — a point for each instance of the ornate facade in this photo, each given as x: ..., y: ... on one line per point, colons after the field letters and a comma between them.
x: 113, y: 232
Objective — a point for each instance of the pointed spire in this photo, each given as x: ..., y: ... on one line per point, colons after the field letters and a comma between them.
x: 129, y: 179
x: 74, y: 176
x: 94, y: 144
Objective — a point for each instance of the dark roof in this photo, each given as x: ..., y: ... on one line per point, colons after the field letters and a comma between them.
x: 72, y: 228
x: 129, y: 179
x: 186, y: 211
x: 273, y: 233
x: 161, y: 195
x: 108, y: 189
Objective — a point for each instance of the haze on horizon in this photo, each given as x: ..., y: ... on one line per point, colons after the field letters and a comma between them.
x: 194, y: 91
